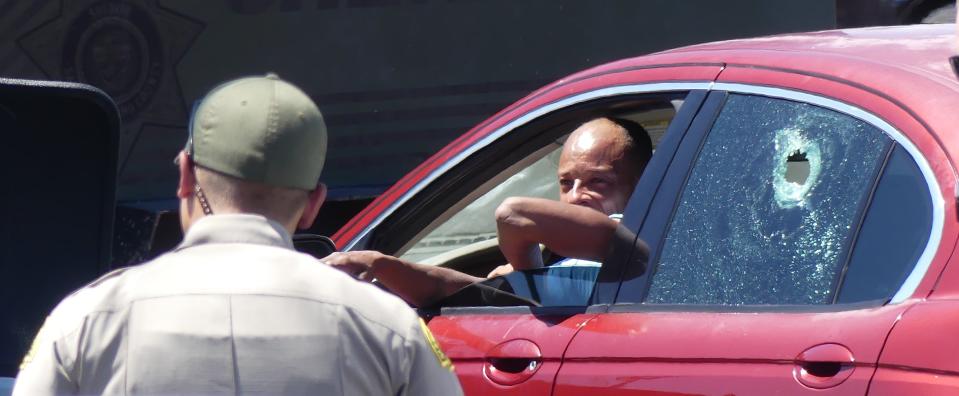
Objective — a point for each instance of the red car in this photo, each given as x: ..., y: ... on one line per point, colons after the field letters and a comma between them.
x: 800, y: 209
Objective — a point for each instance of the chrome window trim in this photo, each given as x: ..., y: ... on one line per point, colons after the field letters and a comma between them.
x: 536, y: 113
x: 938, y: 205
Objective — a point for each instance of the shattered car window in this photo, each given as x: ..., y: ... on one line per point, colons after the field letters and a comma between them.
x: 771, y: 206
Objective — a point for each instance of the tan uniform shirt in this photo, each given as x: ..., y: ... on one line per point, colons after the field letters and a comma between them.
x: 234, y: 310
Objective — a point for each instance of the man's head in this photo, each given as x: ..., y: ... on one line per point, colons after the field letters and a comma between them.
x: 601, y: 162
x: 257, y: 145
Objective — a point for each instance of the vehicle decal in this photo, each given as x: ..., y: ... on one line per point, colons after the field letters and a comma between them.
x: 37, y: 341
x: 435, y: 347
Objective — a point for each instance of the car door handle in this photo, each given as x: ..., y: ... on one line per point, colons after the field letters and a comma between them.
x: 512, y: 362
x: 824, y: 366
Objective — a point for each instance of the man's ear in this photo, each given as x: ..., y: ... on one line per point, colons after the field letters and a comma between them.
x: 313, y: 203
x: 187, y: 178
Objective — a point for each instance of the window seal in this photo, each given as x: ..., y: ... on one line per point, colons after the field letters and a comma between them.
x: 518, y: 310
x: 771, y: 308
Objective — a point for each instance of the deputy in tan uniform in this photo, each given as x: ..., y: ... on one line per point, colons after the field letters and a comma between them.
x: 234, y: 310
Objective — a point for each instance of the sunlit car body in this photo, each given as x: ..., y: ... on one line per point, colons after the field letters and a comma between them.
x: 800, y: 209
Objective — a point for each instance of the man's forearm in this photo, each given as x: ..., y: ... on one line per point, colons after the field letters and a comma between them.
x: 419, y: 284
x: 568, y: 230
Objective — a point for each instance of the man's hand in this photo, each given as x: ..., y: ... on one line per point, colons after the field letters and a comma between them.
x: 500, y: 271
x: 358, y: 264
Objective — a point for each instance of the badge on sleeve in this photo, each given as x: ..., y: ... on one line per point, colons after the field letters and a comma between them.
x: 444, y: 361
x: 32, y: 352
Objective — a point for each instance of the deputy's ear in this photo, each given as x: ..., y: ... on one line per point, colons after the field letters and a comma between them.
x: 187, y: 177
x: 313, y: 203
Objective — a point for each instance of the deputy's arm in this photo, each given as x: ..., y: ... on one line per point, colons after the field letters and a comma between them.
x: 568, y: 230
x: 418, y: 284
x: 42, y: 372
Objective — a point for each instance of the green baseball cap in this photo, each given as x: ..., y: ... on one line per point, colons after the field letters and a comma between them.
x: 260, y: 129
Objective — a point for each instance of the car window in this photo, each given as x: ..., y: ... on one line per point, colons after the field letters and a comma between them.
x: 475, y: 223
x: 893, y: 235
x: 473, y: 227
x: 770, y: 207
x: 451, y: 223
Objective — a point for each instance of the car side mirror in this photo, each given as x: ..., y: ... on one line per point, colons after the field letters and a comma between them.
x: 317, y: 246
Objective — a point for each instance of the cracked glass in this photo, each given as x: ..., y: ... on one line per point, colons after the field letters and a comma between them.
x: 770, y: 207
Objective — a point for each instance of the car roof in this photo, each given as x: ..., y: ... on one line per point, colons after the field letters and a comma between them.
x: 921, y: 49
x: 908, y: 65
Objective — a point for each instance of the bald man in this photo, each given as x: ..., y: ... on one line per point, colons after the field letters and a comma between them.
x: 598, y: 168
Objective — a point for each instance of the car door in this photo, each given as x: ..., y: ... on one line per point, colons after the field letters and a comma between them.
x: 788, y: 235
x: 515, y: 349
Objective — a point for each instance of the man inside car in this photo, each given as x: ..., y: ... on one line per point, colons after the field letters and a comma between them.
x: 598, y: 169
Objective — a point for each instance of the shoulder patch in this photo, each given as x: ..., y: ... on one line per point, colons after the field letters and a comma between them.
x: 444, y: 361
x: 37, y: 341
